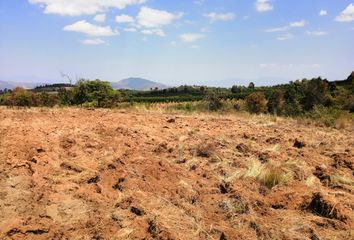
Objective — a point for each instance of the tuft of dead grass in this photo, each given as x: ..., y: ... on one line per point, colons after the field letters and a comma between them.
x: 270, y: 173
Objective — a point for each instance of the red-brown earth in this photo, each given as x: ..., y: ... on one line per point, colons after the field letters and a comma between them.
x: 119, y: 174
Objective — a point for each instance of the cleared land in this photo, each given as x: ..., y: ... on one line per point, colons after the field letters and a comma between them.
x: 115, y: 174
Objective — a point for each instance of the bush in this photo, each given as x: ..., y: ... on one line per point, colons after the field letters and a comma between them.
x: 327, y: 116
x: 256, y: 103
x: 21, y: 97
x: 214, y: 102
x: 276, y: 103
x: 47, y: 100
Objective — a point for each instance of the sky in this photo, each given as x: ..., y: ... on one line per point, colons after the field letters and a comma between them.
x: 215, y: 42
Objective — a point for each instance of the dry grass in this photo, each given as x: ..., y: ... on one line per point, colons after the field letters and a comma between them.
x: 269, y: 174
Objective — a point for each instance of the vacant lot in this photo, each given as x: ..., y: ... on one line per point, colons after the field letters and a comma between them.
x: 115, y: 174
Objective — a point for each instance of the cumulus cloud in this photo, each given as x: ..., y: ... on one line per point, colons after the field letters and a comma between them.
x: 100, y: 18
x: 263, y: 6
x: 153, y: 18
x: 124, y: 19
x: 82, y: 7
x: 191, y: 37
x: 316, y: 33
x: 157, y: 31
x: 90, y: 29
x: 96, y: 41
x: 347, y: 15
x: 131, y: 29
x: 214, y: 17
x: 322, y: 13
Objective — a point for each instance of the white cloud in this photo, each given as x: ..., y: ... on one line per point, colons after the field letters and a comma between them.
x: 214, y: 17
x: 131, y: 29
x: 322, y: 13
x: 90, y: 29
x: 96, y: 41
x: 279, y: 29
x: 191, y: 37
x: 100, y: 18
x: 316, y: 33
x: 124, y: 19
x: 153, y: 18
x: 301, y: 23
x: 263, y: 6
x: 285, y: 37
x: 82, y: 7
x: 347, y: 15
x: 157, y: 31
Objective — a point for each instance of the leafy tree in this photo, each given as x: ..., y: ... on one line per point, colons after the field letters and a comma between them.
x: 95, y: 91
x: 236, y: 89
x: 276, y: 103
x: 293, y: 96
x: 316, y: 93
x: 256, y: 103
x: 251, y: 85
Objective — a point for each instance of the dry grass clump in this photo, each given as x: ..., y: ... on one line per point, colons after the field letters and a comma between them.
x: 270, y: 173
x: 340, y: 180
x: 343, y: 122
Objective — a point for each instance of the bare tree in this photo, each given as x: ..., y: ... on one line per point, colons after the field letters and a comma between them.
x: 64, y: 75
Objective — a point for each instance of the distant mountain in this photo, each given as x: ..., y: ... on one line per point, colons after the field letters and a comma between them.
x: 12, y: 85
x: 137, y: 84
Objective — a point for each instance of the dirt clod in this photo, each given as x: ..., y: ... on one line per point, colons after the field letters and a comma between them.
x: 299, y: 144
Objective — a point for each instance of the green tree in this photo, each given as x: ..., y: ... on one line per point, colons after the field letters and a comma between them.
x: 293, y: 96
x: 100, y: 93
x: 276, y: 103
x: 316, y: 93
x: 251, y: 85
x: 236, y: 89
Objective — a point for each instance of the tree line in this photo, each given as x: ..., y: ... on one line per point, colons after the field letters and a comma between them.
x: 294, y: 99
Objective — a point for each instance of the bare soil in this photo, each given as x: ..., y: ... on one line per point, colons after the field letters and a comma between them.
x: 119, y: 174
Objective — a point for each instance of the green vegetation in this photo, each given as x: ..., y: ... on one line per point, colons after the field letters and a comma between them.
x: 316, y: 98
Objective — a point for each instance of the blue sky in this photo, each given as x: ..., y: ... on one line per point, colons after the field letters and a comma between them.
x: 218, y: 42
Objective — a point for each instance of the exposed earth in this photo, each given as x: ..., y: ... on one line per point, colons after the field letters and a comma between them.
x: 120, y: 174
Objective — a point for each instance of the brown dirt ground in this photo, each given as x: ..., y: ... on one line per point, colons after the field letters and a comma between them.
x: 119, y: 174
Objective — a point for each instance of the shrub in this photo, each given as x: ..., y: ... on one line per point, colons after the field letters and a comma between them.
x: 214, y: 102
x: 21, y: 97
x: 256, y: 103
x: 276, y: 103
x: 66, y: 97
x: 47, y: 100
x: 327, y: 116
